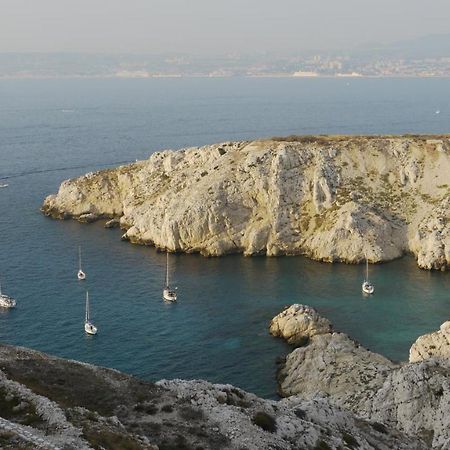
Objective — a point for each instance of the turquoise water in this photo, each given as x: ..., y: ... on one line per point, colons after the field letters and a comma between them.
x: 52, y: 130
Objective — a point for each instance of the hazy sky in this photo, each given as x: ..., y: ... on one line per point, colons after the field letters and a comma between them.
x: 213, y: 26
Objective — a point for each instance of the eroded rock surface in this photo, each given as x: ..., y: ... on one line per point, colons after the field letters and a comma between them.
x: 413, y: 398
x: 432, y: 345
x: 331, y: 198
x: 49, y: 403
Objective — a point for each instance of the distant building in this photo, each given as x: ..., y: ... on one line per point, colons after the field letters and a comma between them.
x: 302, y: 73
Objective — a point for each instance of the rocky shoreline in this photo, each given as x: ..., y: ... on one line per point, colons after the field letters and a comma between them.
x: 331, y: 198
x: 413, y: 397
x: 338, y: 395
x: 52, y: 403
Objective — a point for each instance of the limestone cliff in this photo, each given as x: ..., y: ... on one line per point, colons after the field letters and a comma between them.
x: 333, y: 198
x: 49, y: 403
x: 413, y: 398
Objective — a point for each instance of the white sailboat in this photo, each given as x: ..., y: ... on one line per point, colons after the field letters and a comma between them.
x: 89, y: 327
x: 5, y: 300
x: 367, y: 286
x: 81, y: 275
x: 169, y: 294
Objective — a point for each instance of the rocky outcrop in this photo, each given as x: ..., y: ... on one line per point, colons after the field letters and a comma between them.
x: 51, y: 403
x: 433, y: 345
x: 413, y: 398
x: 331, y: 198
x: 298, y: 323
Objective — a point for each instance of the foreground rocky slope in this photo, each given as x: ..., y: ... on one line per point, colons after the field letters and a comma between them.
x: 413, y: 398
x: 331, y: 198
x: 51, y: 403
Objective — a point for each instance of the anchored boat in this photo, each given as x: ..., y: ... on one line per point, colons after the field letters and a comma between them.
x: 89, y: 327
x: 367, y: 286
x: 169, y: 294
x: 5, y: 300
x: 81, y: 275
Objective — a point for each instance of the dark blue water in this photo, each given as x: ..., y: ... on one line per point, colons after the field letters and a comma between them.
x: 53, y: 130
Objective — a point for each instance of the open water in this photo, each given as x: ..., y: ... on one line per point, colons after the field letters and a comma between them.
x: 53, y: 130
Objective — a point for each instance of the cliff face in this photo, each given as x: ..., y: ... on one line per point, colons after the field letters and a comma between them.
x: 330, y: 198
x: 49, y: 403
x: 413, y: 398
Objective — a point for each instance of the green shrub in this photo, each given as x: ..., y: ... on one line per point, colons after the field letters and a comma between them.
x: 350, y: 440
x: 377, y: 426
x: 265, y: 421
x: 167, y: 408
x: 322, y: 445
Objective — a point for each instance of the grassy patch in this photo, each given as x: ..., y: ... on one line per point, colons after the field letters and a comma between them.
x: 110, y: 440
x: 190, y: 413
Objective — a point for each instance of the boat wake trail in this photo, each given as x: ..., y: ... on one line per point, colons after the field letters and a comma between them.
x: 60, y: 169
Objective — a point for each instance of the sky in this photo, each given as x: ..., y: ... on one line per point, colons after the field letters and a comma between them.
x: 214, y: 26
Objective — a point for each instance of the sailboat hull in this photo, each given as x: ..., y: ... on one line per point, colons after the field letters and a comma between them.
x: 368, y: 288
x: 90, y: 328
x: 81, y: 275
x: 169, y: 295
x: 7, y: 302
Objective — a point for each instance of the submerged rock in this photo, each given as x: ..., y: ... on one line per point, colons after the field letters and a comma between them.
x: 335, y: 198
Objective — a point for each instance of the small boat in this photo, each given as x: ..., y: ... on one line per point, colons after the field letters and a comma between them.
x: 367, y: 286
x: 6, y: 301
x: 4, y: 185
x: 169, y: 294
x: 81, y: 275
x: 89, y: 327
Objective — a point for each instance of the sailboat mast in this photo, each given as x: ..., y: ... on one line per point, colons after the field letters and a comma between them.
x: 167, y: 269
x: 79, y: 257
x: 367, y: 269
x: 87, y: 307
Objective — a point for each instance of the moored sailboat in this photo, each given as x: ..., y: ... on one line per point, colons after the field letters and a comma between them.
x: 89, y: 327
x: 81, y: 275
x: 367, y: 286
x: 169, y: 294
x: 5, y: 300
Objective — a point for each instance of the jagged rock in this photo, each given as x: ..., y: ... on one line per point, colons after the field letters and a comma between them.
x: 298, y: 323
x: 113, y: 223
x: 413, y: 398
x: 432, y: 345
x: 335, y: 198
x: 81, y: 406
x: 88, y: 218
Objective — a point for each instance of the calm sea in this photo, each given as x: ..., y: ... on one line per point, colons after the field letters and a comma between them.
x: 53, y: 130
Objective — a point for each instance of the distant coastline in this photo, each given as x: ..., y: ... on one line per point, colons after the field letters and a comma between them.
x: 263, y: 75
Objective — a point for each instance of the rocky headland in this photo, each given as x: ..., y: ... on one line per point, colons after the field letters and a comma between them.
x: 413, y: 397
x: 331, y: 198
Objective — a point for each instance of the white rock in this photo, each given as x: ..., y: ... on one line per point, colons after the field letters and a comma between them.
x: 298, y: 323
x: 330, y: 198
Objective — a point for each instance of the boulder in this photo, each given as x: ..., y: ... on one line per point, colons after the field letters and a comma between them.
x: 298, y: 323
